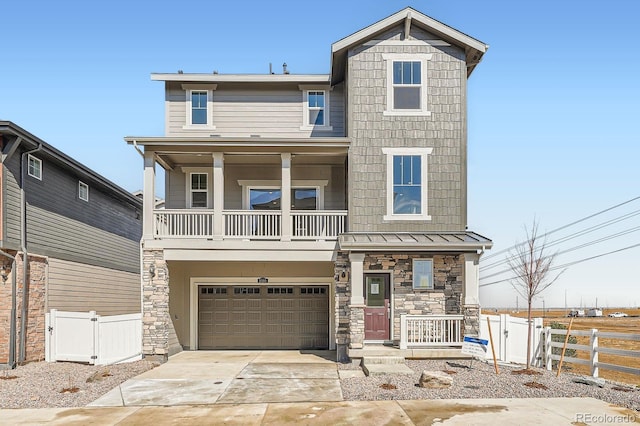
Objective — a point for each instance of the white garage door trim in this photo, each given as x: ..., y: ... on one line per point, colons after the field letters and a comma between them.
x: 195, y: 282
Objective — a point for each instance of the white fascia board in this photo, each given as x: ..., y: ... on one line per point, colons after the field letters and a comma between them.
x: 248, y: 255
x: 243, y: 78
x: 235, y: 141
x: 423, y: 20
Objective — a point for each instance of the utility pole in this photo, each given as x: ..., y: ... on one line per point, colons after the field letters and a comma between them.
x: 565, y: 303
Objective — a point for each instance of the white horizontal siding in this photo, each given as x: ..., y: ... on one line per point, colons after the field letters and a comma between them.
x: 238, y: 112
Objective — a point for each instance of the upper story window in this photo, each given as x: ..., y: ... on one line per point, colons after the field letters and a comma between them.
x: 406, y: 84
x: 407, y: 183
x: 199, y: 106
x: 83, y: 191
x: 316, y: 107
x: 35, y: 167
x: 199, y: 190
x: 315, y: 102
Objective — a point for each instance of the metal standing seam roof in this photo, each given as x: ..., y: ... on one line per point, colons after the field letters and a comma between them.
x: 469, y: 241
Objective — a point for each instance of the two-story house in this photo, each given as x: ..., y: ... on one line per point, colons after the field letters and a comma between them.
x: 69, y: 240
x: 317, y: 211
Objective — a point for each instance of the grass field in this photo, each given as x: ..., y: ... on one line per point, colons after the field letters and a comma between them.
x: 630, y: 325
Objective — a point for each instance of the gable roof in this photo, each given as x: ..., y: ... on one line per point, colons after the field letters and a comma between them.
x: 474, y: 49
x: 31, y: 141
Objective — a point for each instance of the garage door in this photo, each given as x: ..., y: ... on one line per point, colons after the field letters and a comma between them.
x: 263, y: 317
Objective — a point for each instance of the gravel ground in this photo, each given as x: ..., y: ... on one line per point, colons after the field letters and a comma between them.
x: 41, y: 384
x: 482, y: 382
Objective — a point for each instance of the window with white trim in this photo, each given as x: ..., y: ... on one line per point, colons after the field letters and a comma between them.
x: 199, y: 107
x: 406, y: 84
x: 34, y: 168
x: 407, y: 183
x: 423, y: 274
x: 83, y: 191
x: 315, y: 101
x: 199, y: 192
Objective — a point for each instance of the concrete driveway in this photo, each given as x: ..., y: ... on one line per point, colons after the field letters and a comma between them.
x: 232, y: 377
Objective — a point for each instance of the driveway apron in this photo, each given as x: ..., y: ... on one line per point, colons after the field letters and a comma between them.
x: 232, y: 377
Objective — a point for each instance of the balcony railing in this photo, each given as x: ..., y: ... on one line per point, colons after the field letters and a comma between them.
x: 249, y: 224
x: 423, y: 331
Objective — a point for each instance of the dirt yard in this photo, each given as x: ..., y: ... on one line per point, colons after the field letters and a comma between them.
x: 630, y: 325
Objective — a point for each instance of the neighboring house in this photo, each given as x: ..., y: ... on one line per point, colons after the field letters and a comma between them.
x: 316, y: 211
x: 81, y: 234
x: 159, y: 202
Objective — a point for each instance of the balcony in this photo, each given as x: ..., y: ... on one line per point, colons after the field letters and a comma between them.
x: 312, y: 225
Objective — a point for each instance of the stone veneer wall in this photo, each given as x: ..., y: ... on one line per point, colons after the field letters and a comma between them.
x: 155, y: 306
x: 35, y: 330
x: 342, y: 303
x: 445, y: 298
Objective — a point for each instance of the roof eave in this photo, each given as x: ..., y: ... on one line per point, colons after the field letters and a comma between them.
x: 474, y: 48
x: 242, y: 78
x: 15, y: 130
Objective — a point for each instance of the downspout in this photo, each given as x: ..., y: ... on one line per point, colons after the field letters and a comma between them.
x: 25, y: 257
x: 12, y: 326
x: 135, y: 145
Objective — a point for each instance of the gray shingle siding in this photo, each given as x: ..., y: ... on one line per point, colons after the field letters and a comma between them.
x: 104, y: 231
x: 444, y: 130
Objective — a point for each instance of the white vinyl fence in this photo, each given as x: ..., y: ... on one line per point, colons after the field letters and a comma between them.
x: 510, y: 338
x: 94, y: 339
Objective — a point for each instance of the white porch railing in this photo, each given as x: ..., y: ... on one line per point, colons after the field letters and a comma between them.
x: 318, y: 224
x: 423, y: 331
x: 249, y: 224
x: 182, y: 223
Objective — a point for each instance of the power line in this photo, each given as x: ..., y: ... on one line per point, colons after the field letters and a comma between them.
x: 568, y: 237
x: 565, y: 226
x: 570, y: 249
x: 567, y: 264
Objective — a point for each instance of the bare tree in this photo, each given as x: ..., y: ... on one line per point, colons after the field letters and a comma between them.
x: 532, y: 267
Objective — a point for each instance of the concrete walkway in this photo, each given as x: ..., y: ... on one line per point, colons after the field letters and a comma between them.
x: 289, y: 387
x: 524, y: 412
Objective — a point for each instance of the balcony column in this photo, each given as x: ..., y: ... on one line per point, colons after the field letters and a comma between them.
x: 148, y: 195
x: 285, y: 197
x: 218, y: 195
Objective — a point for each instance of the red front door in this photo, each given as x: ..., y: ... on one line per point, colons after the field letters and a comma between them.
x: 376, y: 312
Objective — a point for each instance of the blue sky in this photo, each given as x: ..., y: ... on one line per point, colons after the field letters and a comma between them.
x: 553, y: 107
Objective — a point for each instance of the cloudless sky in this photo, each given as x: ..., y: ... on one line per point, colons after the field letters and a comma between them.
x: 553, y: 107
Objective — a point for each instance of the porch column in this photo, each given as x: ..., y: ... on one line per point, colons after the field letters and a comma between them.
x: 148, y: 194
x: 357, y: 283
x: 471, y: 301
x: 471, y: 278
x: 218, y: 195
x: 285, y: 197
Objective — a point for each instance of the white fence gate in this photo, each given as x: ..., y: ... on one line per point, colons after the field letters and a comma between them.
x: 91, y: 338
x: 510, y: 338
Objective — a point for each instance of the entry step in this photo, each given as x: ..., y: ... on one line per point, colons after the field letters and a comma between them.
x: 380, y: 365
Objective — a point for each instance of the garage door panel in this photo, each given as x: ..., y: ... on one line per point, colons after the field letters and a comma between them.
x: 283, y: 317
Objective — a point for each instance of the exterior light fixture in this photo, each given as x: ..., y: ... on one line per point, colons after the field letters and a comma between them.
x: 263, y: 280
x: 5, y: 271
x: 152, y: 270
